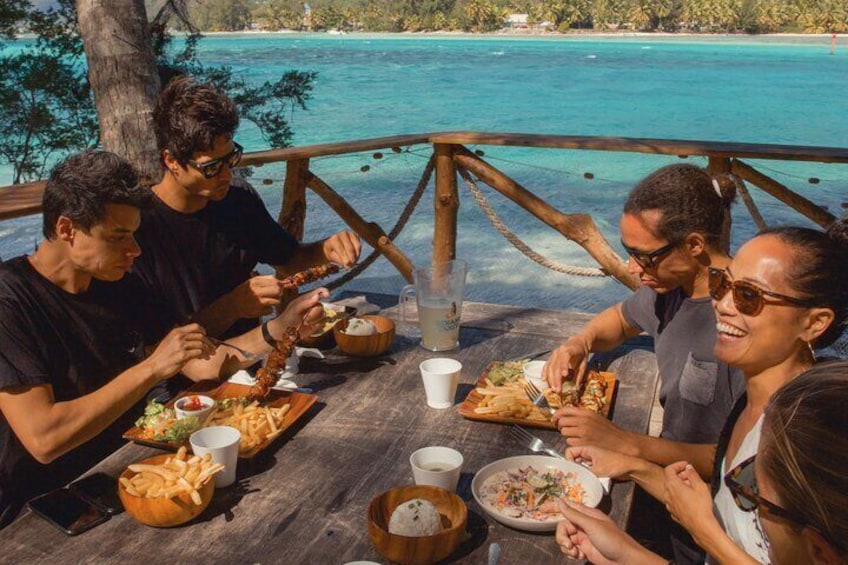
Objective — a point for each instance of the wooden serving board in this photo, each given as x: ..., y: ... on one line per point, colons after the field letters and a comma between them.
x: 466, y: 409
x: 300, y: 403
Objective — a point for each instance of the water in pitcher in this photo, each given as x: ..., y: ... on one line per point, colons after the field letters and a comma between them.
x: 439, y: 323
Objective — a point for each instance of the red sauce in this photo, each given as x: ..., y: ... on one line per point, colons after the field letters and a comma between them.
x: 192, y: 403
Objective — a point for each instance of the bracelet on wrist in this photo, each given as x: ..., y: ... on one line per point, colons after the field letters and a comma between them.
x: 266, y: 335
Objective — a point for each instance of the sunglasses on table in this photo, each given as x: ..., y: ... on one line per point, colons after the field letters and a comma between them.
x: 211, y: 168
x: 648, y: 260
x: 743, y: 486
x: 748, y: 298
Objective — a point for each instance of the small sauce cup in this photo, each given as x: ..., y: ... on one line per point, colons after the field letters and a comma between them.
x: 196, y: 405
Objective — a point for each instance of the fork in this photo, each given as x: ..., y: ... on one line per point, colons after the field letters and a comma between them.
x: 246, y: 354
x: 533, y: 443
x: 537, y: 398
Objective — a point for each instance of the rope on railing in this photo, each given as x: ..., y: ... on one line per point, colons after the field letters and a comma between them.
x: 516, y: 241
x: 395, y: 231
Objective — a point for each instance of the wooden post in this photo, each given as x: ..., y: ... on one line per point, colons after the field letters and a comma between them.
x: 293, y: 214
x: 447, y: 205
x: 719, y: 166
x: 809, y: 209
x: 293, y: 209
x: 369, y: 231
x: 579, y: 228
x: 750, y: 204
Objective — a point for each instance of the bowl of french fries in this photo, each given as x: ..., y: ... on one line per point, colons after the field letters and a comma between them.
x: 168, y: 490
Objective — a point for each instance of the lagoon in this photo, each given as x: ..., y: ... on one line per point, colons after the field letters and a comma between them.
x: 763, y: 90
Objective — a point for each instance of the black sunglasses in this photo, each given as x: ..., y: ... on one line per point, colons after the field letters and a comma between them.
x: 747, y: 297
x: 648, y: 260
x: 742, y: 483
x: 211, y: 168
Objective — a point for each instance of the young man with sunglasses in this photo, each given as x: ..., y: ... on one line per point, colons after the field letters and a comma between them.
x: 208, y: 229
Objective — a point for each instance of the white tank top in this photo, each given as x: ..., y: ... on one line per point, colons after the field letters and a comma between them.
x: 743, y: 527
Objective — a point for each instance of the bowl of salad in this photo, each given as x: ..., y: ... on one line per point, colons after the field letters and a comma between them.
x: 521, y: 492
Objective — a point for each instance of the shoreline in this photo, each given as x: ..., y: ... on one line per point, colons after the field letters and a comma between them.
x: 794, y: 39
x: 812, y: 39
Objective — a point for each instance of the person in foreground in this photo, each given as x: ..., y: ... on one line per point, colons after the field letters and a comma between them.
x: 797, y: 484
x: 784, y: 293
x: 206, y: 229
x: 74, y: 360
x: 672, y: 229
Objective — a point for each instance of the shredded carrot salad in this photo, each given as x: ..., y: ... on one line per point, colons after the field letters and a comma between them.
x: 530, y: 493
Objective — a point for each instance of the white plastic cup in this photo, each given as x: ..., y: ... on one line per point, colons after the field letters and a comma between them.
x: 441, y: 377
x: 437, y: 466
x: 222, y: 442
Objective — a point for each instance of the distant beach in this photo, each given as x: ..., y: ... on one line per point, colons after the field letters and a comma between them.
x: 689, y: 37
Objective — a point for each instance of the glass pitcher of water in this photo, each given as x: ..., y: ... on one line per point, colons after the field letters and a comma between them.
x: 438, y: 292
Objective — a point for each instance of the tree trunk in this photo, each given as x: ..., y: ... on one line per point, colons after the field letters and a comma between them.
x: 122, y: 73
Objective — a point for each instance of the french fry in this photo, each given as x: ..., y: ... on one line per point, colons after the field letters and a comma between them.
x: 177, y: 475
x: 257, y: 423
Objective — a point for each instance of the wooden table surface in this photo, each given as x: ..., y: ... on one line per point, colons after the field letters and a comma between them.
x: 305, y: 500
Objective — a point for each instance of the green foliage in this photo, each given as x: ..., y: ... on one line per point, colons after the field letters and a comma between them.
x: 46, y: 106
x: 11, y: 12
x: 44, y: 109
x: 722, y: 16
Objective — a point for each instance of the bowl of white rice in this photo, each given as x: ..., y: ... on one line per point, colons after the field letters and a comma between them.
x: 417, y: 525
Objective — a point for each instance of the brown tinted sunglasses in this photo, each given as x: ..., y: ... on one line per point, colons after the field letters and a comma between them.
x: 748, y: 298
x: 743, y: 486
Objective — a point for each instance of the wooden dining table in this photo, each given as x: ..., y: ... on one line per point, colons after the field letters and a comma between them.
x: 304, y: 499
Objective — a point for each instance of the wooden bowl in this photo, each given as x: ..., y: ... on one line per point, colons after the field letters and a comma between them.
x: 422, y: 550
x: 366, y: 345
x: 164, y: 512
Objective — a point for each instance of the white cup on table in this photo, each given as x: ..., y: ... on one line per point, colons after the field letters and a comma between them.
x: 437, y: 466
x: 441, y: 377
x: 222, y: 442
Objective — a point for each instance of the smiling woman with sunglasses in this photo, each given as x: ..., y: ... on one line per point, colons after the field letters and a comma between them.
x: 784, y: 294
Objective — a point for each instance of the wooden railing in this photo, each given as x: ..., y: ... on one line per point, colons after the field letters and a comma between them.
x: 451, y: 159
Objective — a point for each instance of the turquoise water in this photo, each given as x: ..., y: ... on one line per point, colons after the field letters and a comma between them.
x: 371, y: 86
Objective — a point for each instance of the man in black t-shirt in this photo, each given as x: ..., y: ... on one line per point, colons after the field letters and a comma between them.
x: 72, y: 351
x: 206, y: 230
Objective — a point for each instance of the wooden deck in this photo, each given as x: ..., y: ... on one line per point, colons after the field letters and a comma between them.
x: 305, y: 501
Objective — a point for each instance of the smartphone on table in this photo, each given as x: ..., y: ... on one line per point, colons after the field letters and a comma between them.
x: 101, y: 490
x: 68, y: 511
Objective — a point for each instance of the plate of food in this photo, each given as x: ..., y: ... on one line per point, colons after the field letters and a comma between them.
x: 521, y: 492
x: 500, y: 397
x: 259, y: 421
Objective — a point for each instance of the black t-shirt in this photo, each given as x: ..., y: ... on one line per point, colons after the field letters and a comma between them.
x: 74, y: 342
x: 190, y: 260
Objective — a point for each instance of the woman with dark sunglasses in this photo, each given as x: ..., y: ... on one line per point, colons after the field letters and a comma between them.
x: 784, y: 294
x: 797, y: 483
x: 673, y: 229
